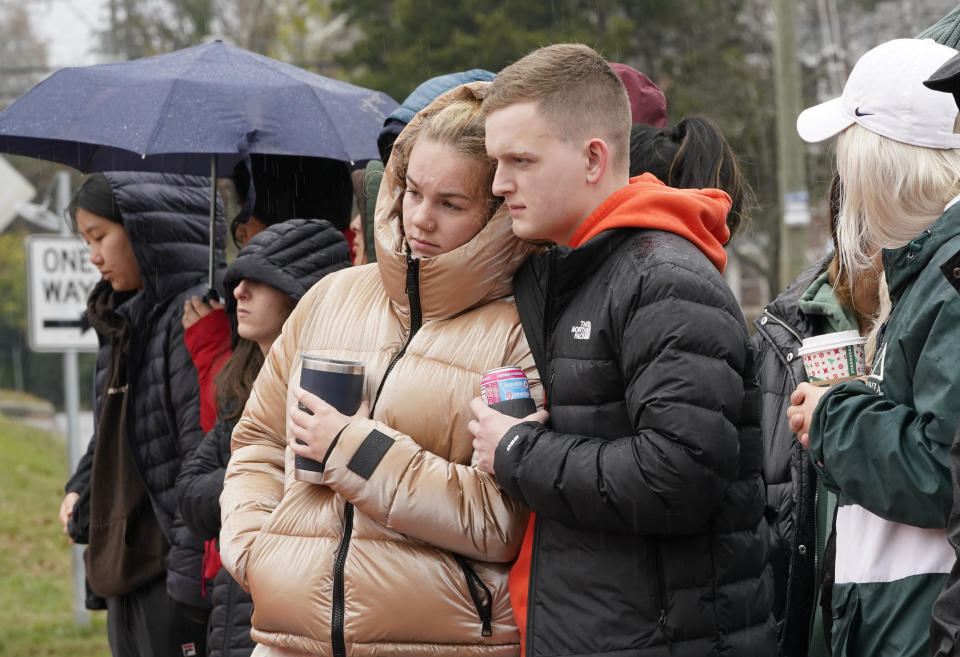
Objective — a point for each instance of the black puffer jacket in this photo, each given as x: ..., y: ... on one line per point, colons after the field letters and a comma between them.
x: 790, y: 477
x: 649, y: 535
x: 167, y: 220
x: 200, y: 483
x: 290, y: 257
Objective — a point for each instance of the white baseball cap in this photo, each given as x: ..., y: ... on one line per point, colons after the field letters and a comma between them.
x: 885, y: 94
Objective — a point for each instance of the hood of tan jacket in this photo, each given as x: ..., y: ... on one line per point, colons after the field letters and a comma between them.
x: 399, y: 499
x: 483, y: 268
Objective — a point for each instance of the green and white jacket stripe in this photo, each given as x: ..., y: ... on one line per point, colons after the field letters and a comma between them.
x: 884, y: 447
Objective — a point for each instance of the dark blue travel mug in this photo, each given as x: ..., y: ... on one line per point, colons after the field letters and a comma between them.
x: 337, y: 382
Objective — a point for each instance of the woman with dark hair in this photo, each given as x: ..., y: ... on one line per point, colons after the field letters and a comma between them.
x: 148, y: 236
x: 691, y: 155
x: 265, y: 281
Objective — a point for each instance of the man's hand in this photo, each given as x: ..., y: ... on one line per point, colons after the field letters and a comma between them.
x: 195, y: 308
x: 317, y: 430
x: 489, y: 428
x: 66, y: 509
x: 803, y: 401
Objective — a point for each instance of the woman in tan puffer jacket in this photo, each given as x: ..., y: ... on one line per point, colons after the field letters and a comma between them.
x: 404, y: 548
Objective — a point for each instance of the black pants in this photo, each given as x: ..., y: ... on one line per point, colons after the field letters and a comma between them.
x: 147, y: 623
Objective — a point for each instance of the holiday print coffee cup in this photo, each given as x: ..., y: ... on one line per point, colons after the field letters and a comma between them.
x: 834, y: 357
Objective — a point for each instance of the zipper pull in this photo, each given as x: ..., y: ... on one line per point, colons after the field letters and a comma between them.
x: 662, y: 620
x: 412, y: 271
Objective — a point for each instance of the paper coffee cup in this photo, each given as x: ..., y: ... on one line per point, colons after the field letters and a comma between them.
x: 834, y: 357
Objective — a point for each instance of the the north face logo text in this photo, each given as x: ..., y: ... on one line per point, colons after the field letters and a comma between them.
x: 581, y: 332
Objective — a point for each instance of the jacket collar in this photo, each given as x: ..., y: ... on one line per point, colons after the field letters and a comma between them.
x: 820, y: 300
x: 479, y: 271
x: 901, y: 266
x: 102, y: 306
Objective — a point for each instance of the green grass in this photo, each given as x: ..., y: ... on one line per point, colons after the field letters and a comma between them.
x: 36, y: 586
x: 14, y: 396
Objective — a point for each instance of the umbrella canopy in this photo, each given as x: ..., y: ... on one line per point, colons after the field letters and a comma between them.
x: 199, y: 110
x: 174, y: 111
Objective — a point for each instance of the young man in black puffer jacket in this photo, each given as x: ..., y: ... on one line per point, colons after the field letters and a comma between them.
x: 649, y: 536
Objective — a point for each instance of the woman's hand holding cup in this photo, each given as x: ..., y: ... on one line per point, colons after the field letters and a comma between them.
x: 803, y: 401
x: 316, y: 423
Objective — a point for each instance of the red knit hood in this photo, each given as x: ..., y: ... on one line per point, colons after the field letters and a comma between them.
x: 698, y: 215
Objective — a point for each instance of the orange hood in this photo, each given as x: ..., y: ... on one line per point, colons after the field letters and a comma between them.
x: 698, y: 215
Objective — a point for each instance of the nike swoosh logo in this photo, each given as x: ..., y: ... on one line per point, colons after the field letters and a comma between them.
x: 859, y: 113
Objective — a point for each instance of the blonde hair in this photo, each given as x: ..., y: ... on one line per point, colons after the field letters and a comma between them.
x: 575, y: 90
x: 891, y: 193
x: 461, y: 126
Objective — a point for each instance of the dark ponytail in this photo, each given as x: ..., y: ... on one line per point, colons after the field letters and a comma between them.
x: 692, y: 155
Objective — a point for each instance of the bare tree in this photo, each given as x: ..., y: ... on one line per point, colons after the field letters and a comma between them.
x: 23, y: 55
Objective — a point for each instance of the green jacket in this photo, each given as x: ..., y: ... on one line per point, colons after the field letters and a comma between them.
x: 884, y: 447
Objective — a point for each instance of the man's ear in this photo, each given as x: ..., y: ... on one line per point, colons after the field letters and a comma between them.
x: 598, y: 159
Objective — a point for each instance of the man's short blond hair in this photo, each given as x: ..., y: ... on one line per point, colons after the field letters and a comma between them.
x: 575, y: 90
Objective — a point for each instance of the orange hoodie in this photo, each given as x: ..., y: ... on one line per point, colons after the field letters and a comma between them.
x: 698, y: 215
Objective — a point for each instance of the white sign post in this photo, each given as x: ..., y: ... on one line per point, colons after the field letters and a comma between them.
x: 59, y: 279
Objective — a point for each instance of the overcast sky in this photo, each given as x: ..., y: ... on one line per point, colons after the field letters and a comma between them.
x: 67, y: 27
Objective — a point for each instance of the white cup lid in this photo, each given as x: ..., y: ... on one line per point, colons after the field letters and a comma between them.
x: 830, y: 341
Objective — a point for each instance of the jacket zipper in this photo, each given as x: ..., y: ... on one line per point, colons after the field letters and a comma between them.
x: 547, y: 386
x: 336, y: 633
x: 534, y: 551
x: 480, y: 593
x: 816, y: 561
x: 416, y: 320
x: 661, y: 591
x: 547, y: 382
x: 548, y: 324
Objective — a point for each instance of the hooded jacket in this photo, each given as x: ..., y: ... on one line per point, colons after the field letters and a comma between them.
x: 404, y: 549
x: 166, y: 218
x: 808, y: 307
x: 290, y: 257
x: 649, y: 537
x: 884, y: 445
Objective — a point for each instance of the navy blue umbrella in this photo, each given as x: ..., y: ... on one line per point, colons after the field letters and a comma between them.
x: 199, y: 110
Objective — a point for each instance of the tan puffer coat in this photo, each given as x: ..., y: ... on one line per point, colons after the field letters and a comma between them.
x: 365, y: 566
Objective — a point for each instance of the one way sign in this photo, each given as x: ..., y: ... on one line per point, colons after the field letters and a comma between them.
x: 60, y: 278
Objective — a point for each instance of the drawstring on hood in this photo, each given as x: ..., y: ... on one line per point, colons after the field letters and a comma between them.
x: 697, y: 215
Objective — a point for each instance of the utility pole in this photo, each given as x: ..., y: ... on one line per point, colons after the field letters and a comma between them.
x: 114, y: 44
x: 791, y: 167
x: 76, y: 446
